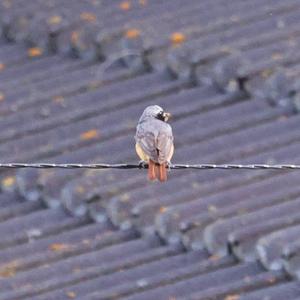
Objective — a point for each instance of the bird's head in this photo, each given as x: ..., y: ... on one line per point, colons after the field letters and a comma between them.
x: 155, y: 111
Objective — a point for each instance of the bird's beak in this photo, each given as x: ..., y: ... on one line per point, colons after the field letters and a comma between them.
x: 166, y: 116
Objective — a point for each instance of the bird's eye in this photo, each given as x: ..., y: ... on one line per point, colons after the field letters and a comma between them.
x: 160, y: 116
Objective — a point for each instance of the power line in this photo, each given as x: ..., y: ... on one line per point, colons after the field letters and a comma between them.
x: 145, y: 166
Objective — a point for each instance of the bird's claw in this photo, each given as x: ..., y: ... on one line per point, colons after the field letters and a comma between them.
x: 142, y: 164
x: 169, y: 165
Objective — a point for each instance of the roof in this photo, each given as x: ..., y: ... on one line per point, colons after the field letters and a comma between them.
x: 74, y: 79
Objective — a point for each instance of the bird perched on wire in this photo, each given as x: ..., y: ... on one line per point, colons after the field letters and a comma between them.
x: 154, y: 141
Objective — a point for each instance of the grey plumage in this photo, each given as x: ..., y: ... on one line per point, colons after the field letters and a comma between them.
x: 155, y: 136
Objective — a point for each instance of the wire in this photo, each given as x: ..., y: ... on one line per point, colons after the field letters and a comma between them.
x: 145, y: 166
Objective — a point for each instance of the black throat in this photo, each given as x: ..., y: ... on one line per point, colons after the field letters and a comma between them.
x: 160, y: 117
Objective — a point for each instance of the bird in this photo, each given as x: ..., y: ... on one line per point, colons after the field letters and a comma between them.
x: 154, y: 141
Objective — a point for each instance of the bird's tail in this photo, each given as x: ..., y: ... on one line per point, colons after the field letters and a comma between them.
x: 162, y: 172
x: 151, y: 170
x: 157, y: 171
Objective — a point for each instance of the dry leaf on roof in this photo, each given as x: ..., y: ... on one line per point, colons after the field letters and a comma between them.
x: 8, y: 181
x: 214, y: 257
x: 132, y: 33
x: 35, y: 52
x: 125, y: 5
x: 89, y: 17
x: 162, y: 209
x: 71, y: 295
x: 54, y: 20
x: 88, y: 135
x: 58, y: 247
x: 9, y: 270
x: 177, y: 38
x: 232, y: 297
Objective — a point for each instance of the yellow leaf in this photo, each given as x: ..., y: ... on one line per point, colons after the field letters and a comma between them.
x: 125, y: 5
x: 54, y: 20
x: 214, y: 257
x: 8, y: 181
x: 9, y: 270
x: 71, y: 295
x: 177, y: 38
x: 80, y: 189
x: 57, y: 247
x: 132, y: 33
x: 88, y: 135
x: 89, y: 17
x: 162, y: 209
x: 35, y: 51
x: 232, y: 297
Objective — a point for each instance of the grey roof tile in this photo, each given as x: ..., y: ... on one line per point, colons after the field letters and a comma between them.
x: 36, y: 225
x: 287, y: 291
x: 87, y: 279
x: 189, y: 285
x: 83, y: 115
x: 216, y: 235
x: 269, y: 248
x: 242, y: 286
x: 153, y: 261
x: 161, y: 277
x: 290, y: 256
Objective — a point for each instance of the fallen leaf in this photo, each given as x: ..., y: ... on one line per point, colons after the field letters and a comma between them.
x: 125, y: 5
x: 214, y: 257
x: 177, y: 38
x: 8, y: 181
x: 132, y: 33
x: 54, y: 20
x: 9, y: 270
x: 80, y: 189
x: 71, y: 295
x: 162, y: 209
x: 89, y: 17
x: 58, y: 247
x: 232, y: 297
x: 88, y: 135
x: 35, y: 52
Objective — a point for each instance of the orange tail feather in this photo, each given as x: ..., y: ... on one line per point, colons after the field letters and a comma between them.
x: 162, y: 172
x: 151, y: 170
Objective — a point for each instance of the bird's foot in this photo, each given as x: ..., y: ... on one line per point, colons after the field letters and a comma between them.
x: 142, y: 164
x: 169, y: 165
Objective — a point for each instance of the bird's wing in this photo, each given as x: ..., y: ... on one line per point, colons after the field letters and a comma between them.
x: 164, y: 143
x: 146, y: 140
